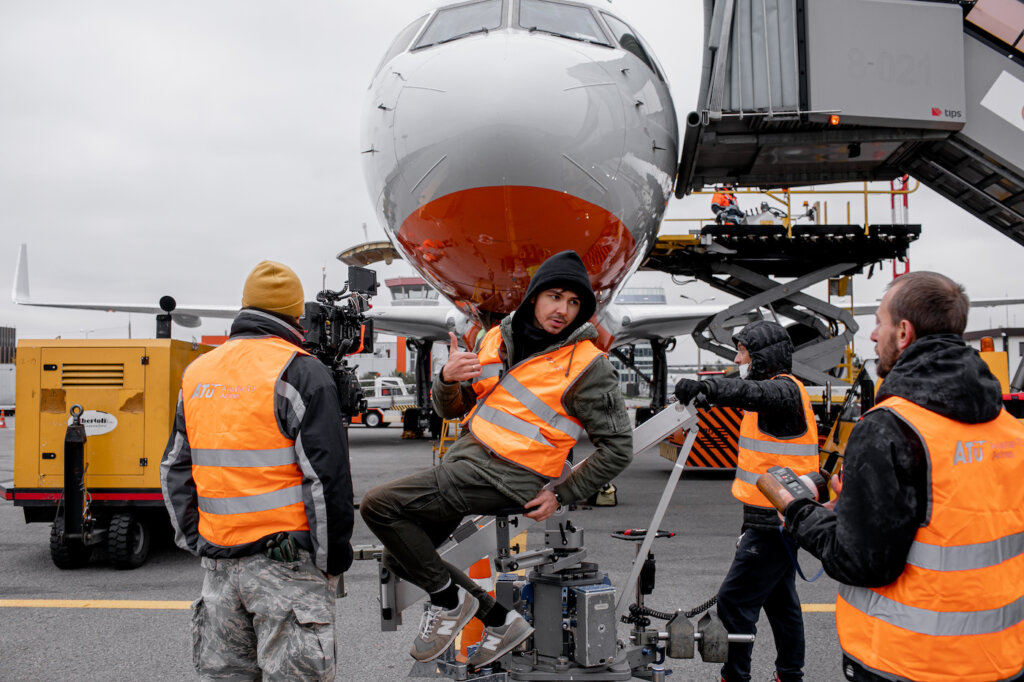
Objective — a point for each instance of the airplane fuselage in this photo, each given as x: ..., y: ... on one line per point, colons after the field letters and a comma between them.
x: 488, y: 153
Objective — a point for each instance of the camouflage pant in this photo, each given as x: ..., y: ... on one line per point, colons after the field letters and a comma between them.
x: 263, y: 619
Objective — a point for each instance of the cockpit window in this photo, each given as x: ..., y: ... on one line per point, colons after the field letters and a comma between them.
x: 630, y: 41
x: 402, y: 41
x: 566, y: 21
x: 452, y: 23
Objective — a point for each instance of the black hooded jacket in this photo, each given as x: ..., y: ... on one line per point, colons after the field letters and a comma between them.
x: 884, y: 500
x: 564, y: 270
x: 885, y: 470
x: 777, y: 401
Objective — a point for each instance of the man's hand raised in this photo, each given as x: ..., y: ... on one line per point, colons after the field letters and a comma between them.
x: 462, y: 365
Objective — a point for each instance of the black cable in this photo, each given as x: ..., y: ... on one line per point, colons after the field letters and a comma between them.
x: 702, y: 608
x: 638, y: 615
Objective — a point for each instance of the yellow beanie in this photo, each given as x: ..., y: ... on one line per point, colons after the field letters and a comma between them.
x: 274, y: 287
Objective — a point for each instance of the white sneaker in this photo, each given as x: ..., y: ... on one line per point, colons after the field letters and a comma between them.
x: 498, y: 641
x: 439, y: 627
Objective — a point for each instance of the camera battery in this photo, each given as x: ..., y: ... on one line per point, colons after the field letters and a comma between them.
x: 595, y: 624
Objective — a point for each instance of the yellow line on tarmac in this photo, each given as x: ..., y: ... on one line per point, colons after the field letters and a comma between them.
x: 94, y: 604
x: 818, y: 608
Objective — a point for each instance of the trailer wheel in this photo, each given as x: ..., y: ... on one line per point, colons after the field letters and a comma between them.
x: 128, y: 540
x: 69, y: 554
x: 372, y: 419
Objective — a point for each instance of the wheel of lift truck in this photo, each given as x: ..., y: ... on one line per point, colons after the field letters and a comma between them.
x: 372, y: 419
x: 69, y: 554
x: 128, y: 540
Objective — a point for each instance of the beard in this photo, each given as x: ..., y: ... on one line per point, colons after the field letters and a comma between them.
x: 887, y: 356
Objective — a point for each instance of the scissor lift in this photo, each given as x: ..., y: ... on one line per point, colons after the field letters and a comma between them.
x: 749, y: 262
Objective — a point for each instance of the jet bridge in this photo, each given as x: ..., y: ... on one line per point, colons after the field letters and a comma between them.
x: 795, y: 92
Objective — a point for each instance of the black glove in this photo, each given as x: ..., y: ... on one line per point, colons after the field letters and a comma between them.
x: 688, y: 389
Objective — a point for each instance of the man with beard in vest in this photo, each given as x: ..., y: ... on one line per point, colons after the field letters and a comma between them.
x: 927, y: 535
x: 256, y: 480
x: 778, y: 429
x: 536, y: 383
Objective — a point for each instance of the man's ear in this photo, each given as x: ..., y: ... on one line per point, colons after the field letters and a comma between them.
x: 906, y: 336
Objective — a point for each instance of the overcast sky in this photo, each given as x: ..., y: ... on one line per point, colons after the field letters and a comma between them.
x: 151, y: 148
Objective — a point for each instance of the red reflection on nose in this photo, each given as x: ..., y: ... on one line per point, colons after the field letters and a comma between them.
x: 487, y: 242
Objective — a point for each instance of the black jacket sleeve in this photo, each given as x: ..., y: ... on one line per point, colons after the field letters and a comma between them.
x: 778, y: 403
x: 883, y: 502
x: 178, y: 486
x: 309, y: 412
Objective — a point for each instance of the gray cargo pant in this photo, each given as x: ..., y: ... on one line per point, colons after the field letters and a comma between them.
x: 264, y: 619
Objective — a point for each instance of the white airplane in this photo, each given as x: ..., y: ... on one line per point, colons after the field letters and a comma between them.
x: 497, y: 133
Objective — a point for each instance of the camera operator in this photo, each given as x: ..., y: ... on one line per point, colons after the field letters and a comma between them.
x: 778, y: 429
x: 256, y: 480
x: 927, y: 537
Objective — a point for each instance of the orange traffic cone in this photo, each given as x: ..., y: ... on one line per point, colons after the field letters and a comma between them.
x: 481, y: 574
x: 3, y: 422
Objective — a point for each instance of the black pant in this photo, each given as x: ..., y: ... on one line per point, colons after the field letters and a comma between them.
x: 762, y: 576
x: 415, y: 514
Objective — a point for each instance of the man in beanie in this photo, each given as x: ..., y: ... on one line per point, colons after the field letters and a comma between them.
x: 256, y: 480
x: 536, y: 383
x: 778, y: 429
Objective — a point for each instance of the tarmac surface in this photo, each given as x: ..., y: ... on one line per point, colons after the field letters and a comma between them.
x: 98, y: 623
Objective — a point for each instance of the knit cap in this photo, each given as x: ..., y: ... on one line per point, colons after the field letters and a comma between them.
x: 274, y: 287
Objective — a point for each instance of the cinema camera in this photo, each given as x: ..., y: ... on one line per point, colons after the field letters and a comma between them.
x: 782, y: 486
x: 337, y: 326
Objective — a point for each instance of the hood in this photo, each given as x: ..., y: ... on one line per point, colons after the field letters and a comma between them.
x: 770, y: 348
x: 943, y: 374
x: 562, y: 270
x: 253, y: 323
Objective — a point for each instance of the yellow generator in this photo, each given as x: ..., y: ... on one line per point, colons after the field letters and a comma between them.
x: 93, y: 420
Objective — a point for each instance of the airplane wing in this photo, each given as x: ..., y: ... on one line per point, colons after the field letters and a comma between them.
x: 423, y: 322
x: 185, y: 315
x: 632, y: 323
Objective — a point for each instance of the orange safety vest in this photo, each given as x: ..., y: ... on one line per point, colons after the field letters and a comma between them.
x: 956, y: 613
x: 520, y: 416
x: 723, y: 199
x: 246, y: 472
x: 759, y: 451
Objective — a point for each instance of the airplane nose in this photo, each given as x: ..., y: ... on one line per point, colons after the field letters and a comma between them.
x: 497, y: 151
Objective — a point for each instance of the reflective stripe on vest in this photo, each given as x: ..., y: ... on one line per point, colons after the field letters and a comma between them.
x: 520, y: 417
x: 759, y: 451
x: 956, y: 612
x: 247, y: 475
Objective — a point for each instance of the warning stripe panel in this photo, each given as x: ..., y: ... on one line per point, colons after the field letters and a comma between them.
x: 717, y: 442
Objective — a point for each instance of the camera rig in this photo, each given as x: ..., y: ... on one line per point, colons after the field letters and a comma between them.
x: 337, y: 326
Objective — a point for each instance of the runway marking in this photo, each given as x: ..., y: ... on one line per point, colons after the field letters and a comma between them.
x: 95, y: 604
x: 818, y: 608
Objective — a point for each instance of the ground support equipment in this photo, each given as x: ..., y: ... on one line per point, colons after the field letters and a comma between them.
x: 751, y: 262
x: 569, y: 601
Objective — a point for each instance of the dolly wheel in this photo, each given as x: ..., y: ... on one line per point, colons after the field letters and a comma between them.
x: 128, y: 540
x: 68, y: 554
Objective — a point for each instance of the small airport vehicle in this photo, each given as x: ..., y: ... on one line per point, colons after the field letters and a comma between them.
x: 387, y: 399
